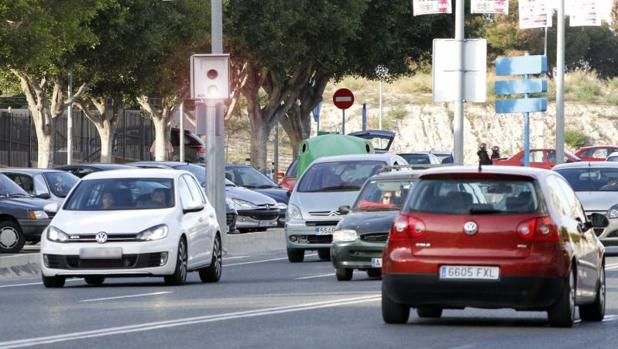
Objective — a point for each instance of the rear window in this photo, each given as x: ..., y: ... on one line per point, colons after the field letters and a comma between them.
x: 463, y: 196
x: 338, y: 176
x: 383, y: 195
x: 591, y: 179
x: 416, y: 159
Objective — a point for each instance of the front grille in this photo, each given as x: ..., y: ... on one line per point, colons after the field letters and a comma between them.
x: 130, y: 261
x: 324, y: 213
x: 320, y: 223
x: 376, y: 237
x: 229, y: 218
x: 265, y: 217
x: 613, y: 234
x: 110, y: 238
x: 320, y: 239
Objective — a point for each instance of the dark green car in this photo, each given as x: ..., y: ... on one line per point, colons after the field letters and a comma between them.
x: 360, y: 237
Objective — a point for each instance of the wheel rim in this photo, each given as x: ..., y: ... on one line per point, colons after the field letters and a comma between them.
x: 218, y: 260
x: 572, y: 295
x: 9, y: 237
x: 182, y: 259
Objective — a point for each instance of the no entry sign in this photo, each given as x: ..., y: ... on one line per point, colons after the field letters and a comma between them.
x: 343, y: 98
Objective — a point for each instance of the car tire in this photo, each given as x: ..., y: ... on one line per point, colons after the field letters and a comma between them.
x: 562, y: 314
x: 296, y: 255
x: 374, y: 273
x: 324, y: 254
x: 12, y: 238
x: 53, y: 281
x: 394, y: 313
x: 596, y: 310
x: 94, y: 280
x: 344, y: 274
x: 429, y: 312
x: 212, y: 273
x: 180, y: 271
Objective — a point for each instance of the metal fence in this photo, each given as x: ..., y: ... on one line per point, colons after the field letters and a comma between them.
x: 133, y: 137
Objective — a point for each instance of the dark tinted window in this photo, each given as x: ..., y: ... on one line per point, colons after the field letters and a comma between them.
x: 291, y: 172
x: 383, y: 195
x: 416, y: 159
x: 248, y: 177
x: 9, y: 188
x: 122, y: 194
x: 591, y: 179
x: 338, y: 176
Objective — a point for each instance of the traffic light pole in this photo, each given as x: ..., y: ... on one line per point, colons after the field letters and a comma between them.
x: 458, y: 120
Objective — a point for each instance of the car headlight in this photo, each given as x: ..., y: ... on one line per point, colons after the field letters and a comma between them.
x: 243, y: 205
x: 293, y: 212
x: 345, y: 235
x: 230, y: 203
x: 282, y: 206
x: 37, y: 214
x: 56, y: 235
x: 613, y: 212
x: 157, y: 232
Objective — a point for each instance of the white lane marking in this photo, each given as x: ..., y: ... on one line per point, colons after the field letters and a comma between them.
x: 611, y: 266
x: 18, y: 255
x: 34, y: 283
x: 264, y: 260
x: 235, y: 257
x: 123, y: 297
x: 315, y: 276
x: 610, y: 318
x: 185, y: 322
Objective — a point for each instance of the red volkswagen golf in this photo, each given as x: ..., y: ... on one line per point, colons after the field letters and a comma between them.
x: 499, y: 237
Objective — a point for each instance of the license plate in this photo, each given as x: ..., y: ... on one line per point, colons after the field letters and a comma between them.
x: 101, y: 253
x: 376, y: 262
x: 465, y: 272
x: 324, y: 230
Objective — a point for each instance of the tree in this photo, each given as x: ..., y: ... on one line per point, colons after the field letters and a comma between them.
x: 37, y: 43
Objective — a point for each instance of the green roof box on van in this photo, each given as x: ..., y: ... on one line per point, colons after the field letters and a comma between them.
x: 330, y: 145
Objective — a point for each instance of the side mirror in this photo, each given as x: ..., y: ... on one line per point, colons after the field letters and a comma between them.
x: 598, y: 220
x: 193, y: 206
x: 344, y: 209
x: 51, y: 208
x: 44, y: 196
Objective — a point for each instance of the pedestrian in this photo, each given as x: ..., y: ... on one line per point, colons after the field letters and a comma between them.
x: 495, y: 153
x: 483, y: 155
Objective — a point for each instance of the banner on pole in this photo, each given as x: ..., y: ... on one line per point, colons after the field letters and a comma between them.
x: 584, y: 13
x: 490, y: 6
x: 534, y: 14
x: 431, y: 7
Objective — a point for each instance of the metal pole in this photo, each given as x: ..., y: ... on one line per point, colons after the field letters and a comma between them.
x: 181, y: 134
x: 458, y: 119
x: 545, y: 43
x: 276, y: 151
x: 560, y: 49
x: 526, y: 133
x: 365, y: 117
x: 343, y: 121
x: 70, y: 121
x: 10, y: 147
x: 380, y: 120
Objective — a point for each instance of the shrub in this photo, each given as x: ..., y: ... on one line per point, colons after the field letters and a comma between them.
x: 575, y: 139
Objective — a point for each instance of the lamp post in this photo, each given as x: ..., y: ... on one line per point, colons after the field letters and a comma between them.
x: 560, y: 49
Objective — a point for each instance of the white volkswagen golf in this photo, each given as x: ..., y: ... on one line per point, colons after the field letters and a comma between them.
x: 137, y: 222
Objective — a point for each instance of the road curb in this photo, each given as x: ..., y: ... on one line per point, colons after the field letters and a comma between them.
x: 19, y: 266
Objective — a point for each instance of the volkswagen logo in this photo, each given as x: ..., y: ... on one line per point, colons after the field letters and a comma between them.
x: 101, y: 237
x: 470, y: 228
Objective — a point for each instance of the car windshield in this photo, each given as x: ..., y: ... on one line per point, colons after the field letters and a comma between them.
x: 200, y: 173
x: 122, y: 194
x: 338, y: 176
x: 383, y: 195
x: 60, y: 183
x: 8, y: 188
x: 291, y: 172
x: 472, y: 196
x: 416, y: 159
x: 591, y: 179
x: 248, y: 177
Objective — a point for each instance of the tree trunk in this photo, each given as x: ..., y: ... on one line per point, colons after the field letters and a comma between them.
x: 44, y: 147
x: 104, y: 118
x: 161, y: 119
x: 106, y: 135
x: 259, y: 145
x: 162, y: 133
x: 297, y: 127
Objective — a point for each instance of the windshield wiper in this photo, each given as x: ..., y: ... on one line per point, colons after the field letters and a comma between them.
x: 19, y: 195
x: 265, y: 186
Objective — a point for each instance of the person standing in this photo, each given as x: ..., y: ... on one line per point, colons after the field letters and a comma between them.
x: 495, y: 153
x: 483, y: 155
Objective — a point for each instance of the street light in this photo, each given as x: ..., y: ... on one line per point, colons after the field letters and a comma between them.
x: 382, y: 74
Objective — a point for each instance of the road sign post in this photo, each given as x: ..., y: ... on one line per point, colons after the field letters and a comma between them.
x: 343, y: 99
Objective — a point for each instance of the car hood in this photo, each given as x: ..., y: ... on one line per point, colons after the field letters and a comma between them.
x: 127, y: 221
x: 369, y: 222
x: 25, y: 203
x: 248, y: 195
x: 597, y: 200
x: 322, y: 202
x: 277, y: 194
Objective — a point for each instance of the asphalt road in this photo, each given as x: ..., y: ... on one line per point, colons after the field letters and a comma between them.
x: 262, y: 301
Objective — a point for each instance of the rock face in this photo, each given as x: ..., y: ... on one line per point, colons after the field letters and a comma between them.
x: 430, y: 126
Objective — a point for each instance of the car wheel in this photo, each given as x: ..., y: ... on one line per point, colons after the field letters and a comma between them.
x: 374, y: 273
x: 428, y: 312
x: 562, y: 314
x: 324, y: 254
x: 596, y: 310
x: 11, y: 237
x: 53, y: 281
x: 212, y: 273
x: 394, y: 313
x: 344, y: 274
x: 180, y: 272
x: 296, y: 255
x: 94, y: 280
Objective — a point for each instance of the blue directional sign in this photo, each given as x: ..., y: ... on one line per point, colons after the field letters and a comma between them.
x: 522, y: 65
x: 523, y: 105
x: 513, y: 87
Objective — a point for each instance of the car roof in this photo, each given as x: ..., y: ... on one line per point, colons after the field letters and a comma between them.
x: 405, y: 174
x: 597, y: 146
x: 498, y: 170
x: 29, y: 170
x: 135, y: 173
x: 160, y: 163
x: 613, y: 154
x: 97, y: 166
x: 352, y: 157
x: 584, y: 164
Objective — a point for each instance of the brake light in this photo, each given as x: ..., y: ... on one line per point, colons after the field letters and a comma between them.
x: 527, y: 228
x: 546, y: 230
x: 406, y: 227
x: 416, y: 227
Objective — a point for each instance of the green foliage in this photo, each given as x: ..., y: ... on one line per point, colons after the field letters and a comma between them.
x: 583, y: 86
x: 396, y: 114
x: 575, y: 138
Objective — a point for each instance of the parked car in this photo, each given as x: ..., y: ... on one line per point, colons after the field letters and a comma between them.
x: 540, y: 158
x: 22, y: 217
x: 360, y: 237
x: 195, y: 149
x: 289, y: 179
x: 445, y: 157
x: 327, y: 184
x: 613, y: 157
x: 248, y: 177
x: 380, y: 139
x: 596, y: 153
x: 596, y: 186
x: 497, y: 238
x: 82, y: 170
x: 132, y: 222
x: 421, y: 158
x: 42, y: 183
